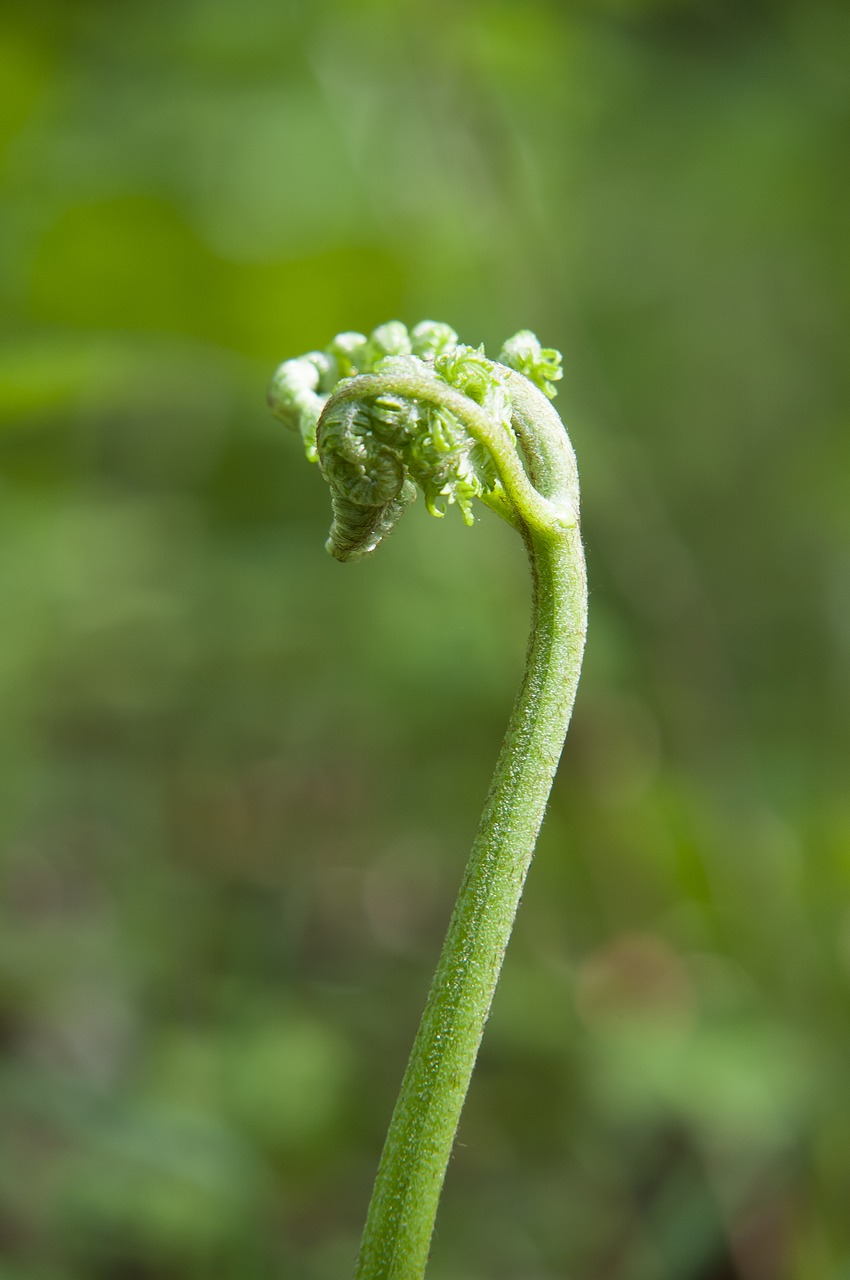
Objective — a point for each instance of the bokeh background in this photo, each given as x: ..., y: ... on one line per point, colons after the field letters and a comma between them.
x: 238, y: 781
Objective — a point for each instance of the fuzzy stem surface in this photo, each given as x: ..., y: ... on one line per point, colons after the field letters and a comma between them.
x: 397, y: 1236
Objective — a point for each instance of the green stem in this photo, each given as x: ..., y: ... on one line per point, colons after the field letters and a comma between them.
x: 400, y: 1223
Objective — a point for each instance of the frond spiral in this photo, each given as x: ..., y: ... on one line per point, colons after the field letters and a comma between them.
x: 400, y: 410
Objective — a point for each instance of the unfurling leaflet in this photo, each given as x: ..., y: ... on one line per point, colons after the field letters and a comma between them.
x: 376, y: 448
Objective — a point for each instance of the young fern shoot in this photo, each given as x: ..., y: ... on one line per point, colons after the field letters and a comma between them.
x: 383, y: 416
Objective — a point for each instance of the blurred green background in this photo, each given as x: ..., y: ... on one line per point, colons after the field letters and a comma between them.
x: 239, y: 780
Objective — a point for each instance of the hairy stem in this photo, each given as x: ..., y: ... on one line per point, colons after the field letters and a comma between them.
x: 400, y: 1223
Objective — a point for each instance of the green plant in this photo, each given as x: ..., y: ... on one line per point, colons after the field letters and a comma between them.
x: 383, y: 415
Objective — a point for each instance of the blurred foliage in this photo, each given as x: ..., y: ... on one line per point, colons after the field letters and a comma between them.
x: 239, y: 781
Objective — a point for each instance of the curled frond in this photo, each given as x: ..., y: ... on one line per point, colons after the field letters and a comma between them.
x: 541, y: 365
x: 429, y: 338
x: 397, y: 411
x: 295, y: 397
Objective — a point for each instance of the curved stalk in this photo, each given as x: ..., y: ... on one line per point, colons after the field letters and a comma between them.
x: 397, y: 1237
x: 422, y: 408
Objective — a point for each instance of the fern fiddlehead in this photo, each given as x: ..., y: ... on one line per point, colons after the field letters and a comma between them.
x: 385, y: 415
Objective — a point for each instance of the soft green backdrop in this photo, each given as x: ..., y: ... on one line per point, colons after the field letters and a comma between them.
x: 238, y: 780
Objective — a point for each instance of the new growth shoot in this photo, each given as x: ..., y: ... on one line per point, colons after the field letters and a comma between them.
x: 387, y: 416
